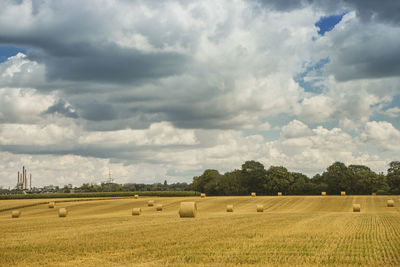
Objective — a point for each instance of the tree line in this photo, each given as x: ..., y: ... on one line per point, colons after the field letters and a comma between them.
x: 253, y: 177
x: 129, y: 187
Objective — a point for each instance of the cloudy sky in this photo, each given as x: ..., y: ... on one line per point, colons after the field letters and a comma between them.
x: 159, y: 90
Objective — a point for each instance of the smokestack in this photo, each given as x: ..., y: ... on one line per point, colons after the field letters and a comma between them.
x: 26, y: 181
x: 24, y: 178
x: 30, y: 181
x: 18, y: 179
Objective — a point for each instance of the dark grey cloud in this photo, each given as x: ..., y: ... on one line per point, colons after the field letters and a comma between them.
x: 109, y: 64
x: 365, y: 51
x: 386, y: 11
x: 98, y: 111
x: 100, y: 150
x: 77, y: 45
x: 284, y: 5
x: 61, y: 107
x: 104, y: 63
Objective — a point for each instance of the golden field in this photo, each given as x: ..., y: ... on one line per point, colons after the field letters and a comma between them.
x: 292, y: 231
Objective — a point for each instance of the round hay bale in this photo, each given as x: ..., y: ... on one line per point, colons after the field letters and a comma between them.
x: 260, y: 208
x: 356, y: 207
x: 188, y: 210
x: 229, y: 208
x: 15, y: 214
x: 202, y: 195
x: 150, y: 203
x: 373, y: 194
x: 253, y: 194
x: 323, y: 193
x: 343, y: 193
x: 52, y: 205
x: 62, y: 212
x: 136, y: 211
x: 390, y: 203
x: 136, y: 196
x: 159, y: 207
x: 279, y: 194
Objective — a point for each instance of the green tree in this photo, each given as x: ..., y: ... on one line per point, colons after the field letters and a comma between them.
x: 232, y: 183
x: 367, y: 181
x: 253, y: 176
x: 393, y: 177
x: 208, y: 182
x: 300, y: 185
x: 357, y: 168
x: 278, y: 180
x: 338, y: 178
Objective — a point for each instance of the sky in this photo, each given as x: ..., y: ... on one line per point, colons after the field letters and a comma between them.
x: 160, y: 91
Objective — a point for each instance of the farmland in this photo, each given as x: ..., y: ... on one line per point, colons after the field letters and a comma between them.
x: 292, y: 230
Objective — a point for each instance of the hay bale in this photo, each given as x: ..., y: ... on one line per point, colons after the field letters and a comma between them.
x: 62, y: 212
x: 323, y: 193
x: 260, y: 208
x: 188, y: 210
x: 229, y: 208
x: 279, y: 194
x: 15, y: 214
x: 159, y: 207
x: 52, y: 205
x: 253, y: 194
x: 356, y: 207
x: 343, y: 193
x: 150, y: 203
x: 373, y: 194
x: 136, y: 211
x: 202, y: 195
x: 390, y: 203
x: 136, y: 196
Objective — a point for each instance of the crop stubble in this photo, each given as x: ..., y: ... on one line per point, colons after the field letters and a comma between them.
x: 301, y: 230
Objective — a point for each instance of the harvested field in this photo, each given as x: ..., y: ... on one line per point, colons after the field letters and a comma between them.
x: 292, y: 230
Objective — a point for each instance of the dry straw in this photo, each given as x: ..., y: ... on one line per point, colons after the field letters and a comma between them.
x: 343, y: 193
x: 279, y: 194
x: 356, y: 207
x: 373, y: 194
x: 390, y: 203
x: 15, y: 214
x: 136, y: 211
x: 260, y: 208
x: 150, y: 203
x: 136, y: 196
x: 229, y: 208
x: 62, y: 212
x: 323, y: 193
x: 253, y: 194
x: 52, y: 205
x: 202, y: 195
x: 188, y: 210
x: 159, y: 207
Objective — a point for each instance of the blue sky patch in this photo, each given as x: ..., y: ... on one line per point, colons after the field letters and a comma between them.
x: 7, y: 51
x: 314, y: 74
x: 326, y: 24
x: 395, y: 102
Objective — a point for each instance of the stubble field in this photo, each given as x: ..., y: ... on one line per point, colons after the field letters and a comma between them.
x: 292, y: 231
